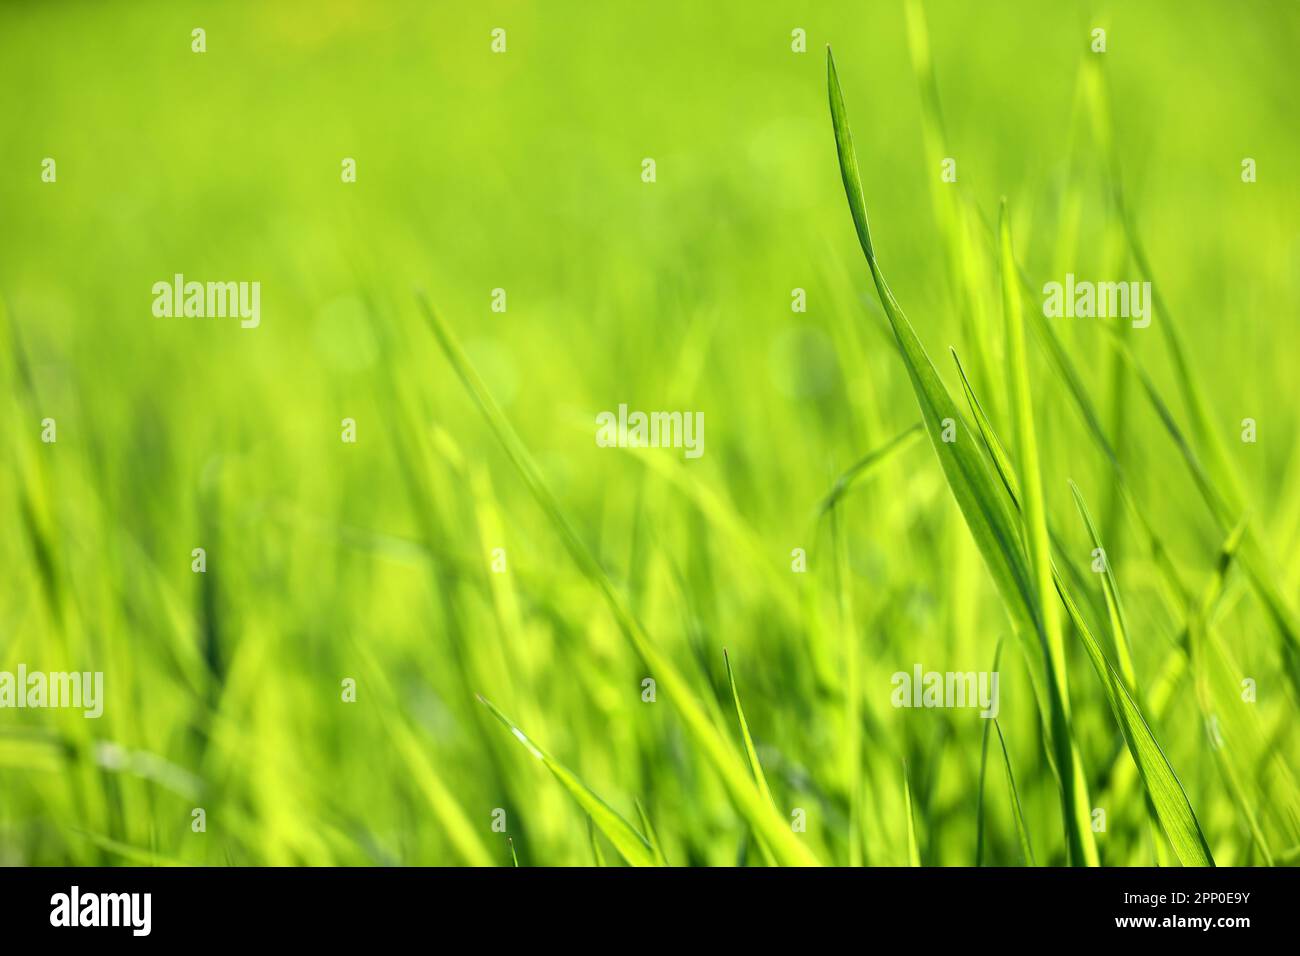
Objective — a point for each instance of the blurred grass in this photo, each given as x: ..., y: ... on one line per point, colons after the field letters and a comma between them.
x: 522, y: 171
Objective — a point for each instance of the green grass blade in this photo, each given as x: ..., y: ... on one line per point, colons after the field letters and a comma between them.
x: 997, y: 453
x: 750, y: 752
x: 788, y: 849
x: 649, y: 829
x: 1083, y: 847
x: 1258, y: 570
x: 1168, y: 798
x: 451, y: 816
x: 1225, y: 488
x: 852, y: 676
x: 631, y: 845
x: 986, y: 510
x: 965, y: 260
x: 984, y: 762
x: 597, y: 854
x: 1022, y: 832
x: 866, y: 466
x: 986, y: 514
x: 913, y: 848
x: 1110, y: 588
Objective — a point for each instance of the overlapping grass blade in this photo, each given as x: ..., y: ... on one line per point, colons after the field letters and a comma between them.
x: 1017, y: 812
x: 635, y: 848
x: 984, y: 762
x: 1172, y: 807
x: 1218, y: 480
x: 1110, y: 588
x: 965, y: 261
x: 751, y: 753
x: 1168, y: 800
x: 1075, y: 806
x: 987, y: 513
x: 597, y: 854
x: 462, y: 834
x: 744, y: 793
x: 650, y: 834
x: 864, y: 467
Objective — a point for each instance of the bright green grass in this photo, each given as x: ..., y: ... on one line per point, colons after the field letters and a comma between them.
x: 521, y: 171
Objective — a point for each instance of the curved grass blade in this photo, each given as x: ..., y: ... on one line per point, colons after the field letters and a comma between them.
x: 455, y: 822
x: 631, y: 845
x: 513, y: 855
x: 984, y: 762
x: 1172, y: 809
x: 988, y: 515
x: 750, y: 752
x: 1110, y: 588
x: 1168, y: 798
x: 784, y: 844
x: 1259, y: 570
x: 865, y: 466
x: 966, y: 264
x: 1223, y: 508
x: 597, y: 853
x: 1022, y: 833
x: 1076, y: 807
x: 649, y: 829
x: 913, y: 850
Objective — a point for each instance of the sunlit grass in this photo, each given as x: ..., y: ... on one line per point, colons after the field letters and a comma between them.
x: 475, y: 543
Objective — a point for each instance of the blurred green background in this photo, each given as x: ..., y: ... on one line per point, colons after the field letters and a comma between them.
x: 522, y: 171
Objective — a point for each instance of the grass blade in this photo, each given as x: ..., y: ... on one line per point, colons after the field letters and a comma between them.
x: 649, y: 829
x: 1083, y: 847
x: 597, y: 854
x: 987, y: 513
x: 1172, y: 807
x: 631, y: 845
x: 913, y: 849
x: 865, y: 466
x: 984, y: 762
x: 1022, y: 833
x: 1110, y: 588
x: 785, y: 846
x: 750, y: 753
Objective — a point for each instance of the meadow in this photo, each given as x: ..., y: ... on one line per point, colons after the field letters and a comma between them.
x: 366, y: 586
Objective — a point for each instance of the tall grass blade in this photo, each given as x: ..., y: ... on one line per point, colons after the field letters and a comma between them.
x: 1110, y: 589
x: 986, y: 511
x: 1017, y: 812
x: 750, y: 752
x: 1076, y: 807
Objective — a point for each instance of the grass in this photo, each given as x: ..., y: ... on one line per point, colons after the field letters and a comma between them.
x: 476, y: 544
